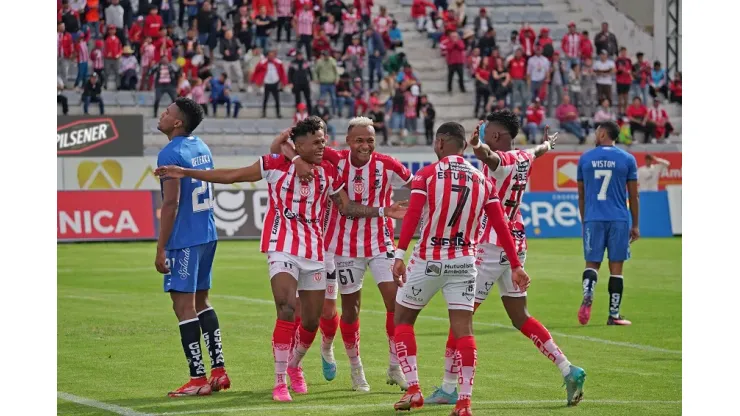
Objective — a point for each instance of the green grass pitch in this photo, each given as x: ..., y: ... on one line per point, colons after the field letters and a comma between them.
x: 118, y: 342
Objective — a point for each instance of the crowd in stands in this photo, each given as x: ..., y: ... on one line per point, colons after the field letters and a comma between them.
x: 349, y: 55
x: 531, y: 75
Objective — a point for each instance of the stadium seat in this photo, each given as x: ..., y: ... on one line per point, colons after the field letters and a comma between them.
x: 407, y: 3
x: 531, y: 17
x: 126, y: 99
x: 518, y: 2
x: 547, y: 17
x: 533, y: 3
x: 500, y: 18
x: 559, y: 32
x: 516, y: 17
x: 501, y: 3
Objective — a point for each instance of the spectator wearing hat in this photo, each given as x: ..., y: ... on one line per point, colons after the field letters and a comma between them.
x: 624, y: 79
x: 114, y: 17
x: 641, y: 74
x: 303, y: 23
x: 606, y: 41
x: 91, y: 93
x: 300, y: 77
x: 587, y: 47
x: 136, y: 36
x: 455, y: 61
x: 658, y: 81
x: 419, y: 13
x: 301, y: 113
x: 558, y: 81
x: 676, y: 89
x: 519, y: 78
x: 111, y: 52
x: 487, y: 43
x: 128, y: 70
x: 604, y: 68
x: 567, y: 115
x: 270, y: 72
x: 658, y: 123
x: 232, y: 56
x: 571, y: 45
x: 165, y: 76
x: 527, y: 38
x: 153, y: 23
x: 61, y: 98
x: 538, y: 72
x: 482, y: 23
x: 544, y: 41
x: 327, y: 75
x: 534, y: 121
x: 321, y: 110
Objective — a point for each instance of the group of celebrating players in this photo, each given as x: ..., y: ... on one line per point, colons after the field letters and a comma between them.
x: 330, y: 220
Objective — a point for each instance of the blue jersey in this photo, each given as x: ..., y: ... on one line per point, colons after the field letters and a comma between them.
x: 604, y: 172
x: 194, y: 223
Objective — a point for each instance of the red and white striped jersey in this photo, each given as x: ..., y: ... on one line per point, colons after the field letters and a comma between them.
x: 370, y: 185
x: 294, y: 225
x: 510, y: 178
x: 456, y: 194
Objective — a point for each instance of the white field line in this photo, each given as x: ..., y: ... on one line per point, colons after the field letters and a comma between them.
x: 389, y: 405
x: 491, y: 324
x: 125, y: 411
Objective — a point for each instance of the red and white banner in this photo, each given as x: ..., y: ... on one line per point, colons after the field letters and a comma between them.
x: 557, y: 171
x: 105, y: 215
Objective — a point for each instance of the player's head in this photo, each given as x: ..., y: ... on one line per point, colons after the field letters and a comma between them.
x: 499, y: 129
x: 308, y: 137
x: 607, y: 134
x: 361, y: 139
x: 180, y: 118
x: 449, y: 140
x: 649, y: 159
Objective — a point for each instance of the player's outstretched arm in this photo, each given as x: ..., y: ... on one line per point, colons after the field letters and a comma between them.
x: 170, y: 202
x: 352, y: 209
x: 482, y: 151
x: 547, y: 145
x: 251, y: 173
x: 410, y: 223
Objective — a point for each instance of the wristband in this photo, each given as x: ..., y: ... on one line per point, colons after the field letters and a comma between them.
x: 294, y: 158
x: 480, y: 143
x: 381, y: 212
x: 400, y: 254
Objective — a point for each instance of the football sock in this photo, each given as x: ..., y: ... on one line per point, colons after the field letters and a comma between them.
x: 406, y: 350
x: 351, y: 338
x: 303, y: 341
x: 616, y: 286
x: 282, y: 337
x: 328, y: 331
x: 190, y: 337
x: 466, y: 357
x: 212, y: 336
x: 296, y: 324
x: 449, y: 382
x: 390, y: 328
x: 589, y: 282
x: 542, y: 339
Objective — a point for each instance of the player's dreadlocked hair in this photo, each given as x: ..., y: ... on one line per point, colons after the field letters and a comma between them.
x: 192, y: 112
x: 305, y: 127
x: 453, y: 132
x: 506, y: 118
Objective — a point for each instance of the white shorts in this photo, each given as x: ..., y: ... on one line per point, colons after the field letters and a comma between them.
x: 351, y: 271
x: 494, y: 268
x: 424, y: 278
x: 331, y: 276
x: 309, y: 274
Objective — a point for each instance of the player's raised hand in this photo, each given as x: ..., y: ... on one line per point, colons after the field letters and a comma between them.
x: 476, y: 132
x: 160, y: 262
x: 397, y: 210
x: 552, y: 138
x: 303, y: 169
x: 634, y: 234
x: 399, y: 272
x: 520, y: 278
x: 284, y: 136
x: 171, y: 171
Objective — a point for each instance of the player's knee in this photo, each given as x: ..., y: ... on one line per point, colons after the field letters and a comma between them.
x: 310, y: 324
x: 201, y: 302
x: 285, y: 311
x: 184, y: 310
x: 329, y: 310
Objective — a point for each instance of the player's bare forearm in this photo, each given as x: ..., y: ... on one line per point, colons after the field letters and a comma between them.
x: 227, y: 176
x: 495, y: 214
x: 634, y: 196
x: 411, y: 220
x: 288, y: 151
x: 171, y: 198
x: 487, y: 156
x: 280, y: 139
x: 352, y: 209
x: 581, y: 200
x: 540, y: 149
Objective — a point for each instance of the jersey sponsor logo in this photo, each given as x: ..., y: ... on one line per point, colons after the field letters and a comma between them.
x: 456, y: 241
x: 433, y: 268
x: 290, y: 215
x: 83, y: 135
x: 229, y: 211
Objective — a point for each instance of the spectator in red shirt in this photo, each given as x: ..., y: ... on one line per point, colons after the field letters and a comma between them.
x: 153, y: 23
x: 567, y: 115
x: 571, y: 45
x: 271, y: 73
x: 65, y: 52
x: 641, y: 73
x: 527, y: 39
x: 111, y: 52
x: 455, y: 61
x: 136, y: 35
x: 545, y: 42
x: 586, y: 46
x: 364, y: 7
x: 534, y: 121
x: 482, y: 75
x: 163, y: 46
x: 518, y: 73
x: 320, y: 44
x: 419, y: 12
x: 658, y: 124
x: 637, y: 115
x: 624, y: 79
x: 676, y: 89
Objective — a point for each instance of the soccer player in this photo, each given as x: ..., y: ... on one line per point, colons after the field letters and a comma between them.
x: 453, y: 195
x: 509, y: 170
x: 604, y: 173
x: 293, y: 240
x: 187, y: 244
x: 359, y: 244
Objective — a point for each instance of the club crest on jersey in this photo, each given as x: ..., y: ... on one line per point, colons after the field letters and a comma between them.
x: 305, y: 189
x: 359, y: 185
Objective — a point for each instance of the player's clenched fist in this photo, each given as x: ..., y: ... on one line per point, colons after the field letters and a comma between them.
x: 399, y: 272
x: 520, y: 278
x: 160, y: 262
x: 397, y: 210
x: 174, y: 172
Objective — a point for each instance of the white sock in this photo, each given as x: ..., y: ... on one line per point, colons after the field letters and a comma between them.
x: 449, y: 382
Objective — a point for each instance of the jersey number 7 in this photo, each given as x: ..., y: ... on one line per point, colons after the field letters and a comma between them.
x: 607, y: 176
x: 460, y: 205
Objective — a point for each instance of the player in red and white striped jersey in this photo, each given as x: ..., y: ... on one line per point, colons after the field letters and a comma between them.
x: 293, y: 240
x: 453, y: 195
x: 358, y: 244
x: 510, y: 170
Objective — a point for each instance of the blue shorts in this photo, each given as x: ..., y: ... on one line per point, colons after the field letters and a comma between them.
x: 612, y: 236
x: 190, y: 268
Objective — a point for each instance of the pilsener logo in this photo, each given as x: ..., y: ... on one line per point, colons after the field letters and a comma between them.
x: 565, y: 173
x: 82, y: 135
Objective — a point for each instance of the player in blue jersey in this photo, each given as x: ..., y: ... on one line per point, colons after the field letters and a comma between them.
x: 187, y: 245
x: 606, y: 175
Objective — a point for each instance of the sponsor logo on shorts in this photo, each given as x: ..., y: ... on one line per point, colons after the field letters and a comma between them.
x: 184, y: 261
x: 345, y: 264
x: 469, y: 292
x: 414, y: 295
x: 458, y: 269
x: 433, y: 268
x: 488, y: 286
x: 415, y: 291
